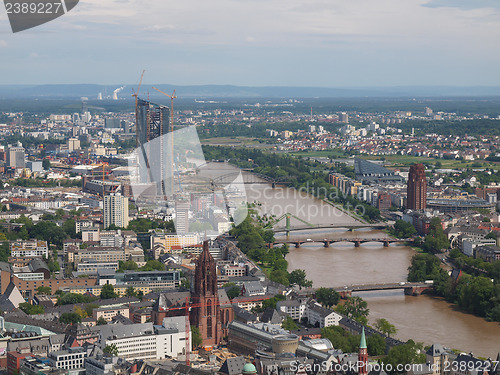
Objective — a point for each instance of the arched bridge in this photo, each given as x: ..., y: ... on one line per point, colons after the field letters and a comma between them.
x: 328, y: 241
x: 410, y: 288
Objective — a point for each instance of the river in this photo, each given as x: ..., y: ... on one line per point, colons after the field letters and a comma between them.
x: 424, y: 319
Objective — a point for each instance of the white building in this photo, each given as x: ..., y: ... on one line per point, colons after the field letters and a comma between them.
x: 31, y: 248
x: 70, y: 359
x: 145, y: 341
x: 325, y: 317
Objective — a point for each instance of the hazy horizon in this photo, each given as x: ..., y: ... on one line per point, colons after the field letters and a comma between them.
x: 278, y: 43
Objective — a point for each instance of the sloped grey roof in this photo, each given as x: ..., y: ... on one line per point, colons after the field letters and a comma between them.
x: 233, y: 366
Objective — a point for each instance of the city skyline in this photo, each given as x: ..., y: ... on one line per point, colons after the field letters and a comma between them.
x: 256, y: 43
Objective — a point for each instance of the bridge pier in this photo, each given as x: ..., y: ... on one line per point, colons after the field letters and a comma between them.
x: 345, y: 294
x: 326, y: 243
x: 357, y: 243
x: 297, y: 244
x: 270, y: 245
x: 386, y: 243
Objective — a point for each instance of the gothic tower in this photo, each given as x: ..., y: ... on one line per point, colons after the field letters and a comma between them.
x: 205, y: 299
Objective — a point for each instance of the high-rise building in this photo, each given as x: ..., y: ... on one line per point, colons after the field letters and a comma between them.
x: 344, y: 117
x: 153, y: 122
x: 112, y: 123
x: 15, y: 157
x: 417, y: 188
x: 181, y: 217
x: 115, y: 210
x: 73, y: 144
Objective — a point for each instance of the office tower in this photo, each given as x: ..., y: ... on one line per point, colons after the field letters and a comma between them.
x: 344, y: 117
x: 153, y: 122
x: 73, y: 144
x: 125, y: 125
x: 417, y: 188
x: 181, y: 217
x: 112, y: 123
x: 115, y: 210
x: 15, y: 157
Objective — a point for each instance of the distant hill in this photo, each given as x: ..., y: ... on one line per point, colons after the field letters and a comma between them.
x: 228, y: 91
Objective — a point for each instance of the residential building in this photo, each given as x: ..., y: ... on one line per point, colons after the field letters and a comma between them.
x: 115, y: 210
x: 318, y: 315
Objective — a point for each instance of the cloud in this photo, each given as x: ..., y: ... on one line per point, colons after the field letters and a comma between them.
x: 3, y: 43
x: 33, y: 55
x: 464, y: 4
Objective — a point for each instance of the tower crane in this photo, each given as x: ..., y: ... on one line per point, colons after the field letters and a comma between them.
x: 172, y: 97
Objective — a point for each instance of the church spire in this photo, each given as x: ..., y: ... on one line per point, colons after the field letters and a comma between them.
x: 363, y: 355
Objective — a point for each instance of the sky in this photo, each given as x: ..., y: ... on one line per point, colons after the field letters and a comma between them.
x: 317, y: 43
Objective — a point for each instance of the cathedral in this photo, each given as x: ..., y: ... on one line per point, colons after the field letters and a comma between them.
x: 211, y: 310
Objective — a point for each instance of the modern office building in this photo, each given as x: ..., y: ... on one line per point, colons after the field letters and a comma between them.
x: 116, y: 210
x: 181, y: 217
x: 416, y: 188
x: 112, y: 123
x: 15, y: 157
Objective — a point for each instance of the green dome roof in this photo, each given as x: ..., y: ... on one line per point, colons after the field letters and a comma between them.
x: 249, y: 369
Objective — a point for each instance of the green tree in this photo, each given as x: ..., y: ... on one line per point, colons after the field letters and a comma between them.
x: 130, y: 292
x: 108, y: 291
x: 327, y: 297
x: 289, y: 324
x: 31, y: 309
x: 436, y: 240
x: 70, y: 318
x: 44, y: 290
x: 101, y: 321
x: 385, y: 327
x: 404, y: 354
x: 298, y: 277
x: 128, y: 265
x: 153, y: 265
x: 233, y: 292
x: 355, y: 308
x: 280, y: 276
x: 69, y: 227
x: 375, y: 344
x: 111, y: 350
x: 46, y: 164
x: 196, y: 339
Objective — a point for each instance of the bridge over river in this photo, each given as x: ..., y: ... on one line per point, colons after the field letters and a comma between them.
x: 411, y: 289
x: 328, y: 241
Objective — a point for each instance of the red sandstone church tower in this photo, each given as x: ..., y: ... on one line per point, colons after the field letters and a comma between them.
x: 363, y: 355
x: 205, y: 298
x: 417, y: 188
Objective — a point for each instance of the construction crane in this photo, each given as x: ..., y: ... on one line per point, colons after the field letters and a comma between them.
x: 172, y: 97
x: 187, y: 308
